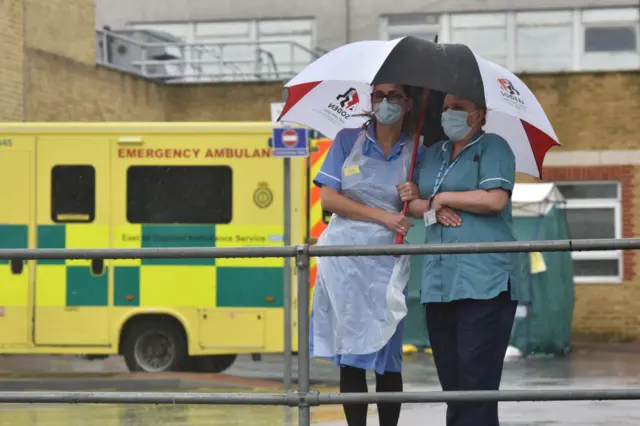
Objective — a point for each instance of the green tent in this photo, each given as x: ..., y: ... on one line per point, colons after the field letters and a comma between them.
x: 543, y: 319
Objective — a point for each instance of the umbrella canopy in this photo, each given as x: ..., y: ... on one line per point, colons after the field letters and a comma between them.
x: 334, y: 91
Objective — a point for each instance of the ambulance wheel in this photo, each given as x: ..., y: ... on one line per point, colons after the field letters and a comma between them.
x: 155, y: 346
x: 213, y: 363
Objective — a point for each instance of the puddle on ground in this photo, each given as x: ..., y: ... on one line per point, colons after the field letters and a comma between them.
x: 159, y: 415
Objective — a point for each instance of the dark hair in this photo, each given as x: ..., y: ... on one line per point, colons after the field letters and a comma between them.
x: 484, y: 119
x: 409, y: 122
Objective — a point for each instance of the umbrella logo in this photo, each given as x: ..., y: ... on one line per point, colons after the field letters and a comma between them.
x: 508, y: 87
x: 510, y: 93
x: 344, y: 105
x: 349, y: 100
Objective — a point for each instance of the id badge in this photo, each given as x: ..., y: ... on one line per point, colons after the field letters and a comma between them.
x: 430, y: 218
x: 350, y: 171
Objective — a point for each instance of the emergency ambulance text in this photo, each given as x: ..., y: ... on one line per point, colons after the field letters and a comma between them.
x: 189, y: 153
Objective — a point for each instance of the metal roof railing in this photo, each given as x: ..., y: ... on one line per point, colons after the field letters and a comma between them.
x: 155, y: 56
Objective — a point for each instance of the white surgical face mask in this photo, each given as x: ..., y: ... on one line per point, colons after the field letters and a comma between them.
x: 387, y: 113
x: 454, y: 124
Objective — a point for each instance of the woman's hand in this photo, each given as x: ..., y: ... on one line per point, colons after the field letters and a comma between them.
x: 448, y: 217
x: 408, y: 191
x: 396, y: 222
x: 445, y: 215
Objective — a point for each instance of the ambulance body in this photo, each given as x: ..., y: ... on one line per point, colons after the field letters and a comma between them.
x: 148, y: 185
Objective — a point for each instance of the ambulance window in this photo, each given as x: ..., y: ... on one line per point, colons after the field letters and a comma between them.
x: 179, y: 194
x: 73, y: 193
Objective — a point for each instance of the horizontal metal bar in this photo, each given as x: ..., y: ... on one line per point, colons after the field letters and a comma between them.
x: 229, y: 43
x: 468, y: 396
x: 149, y: 398
x: 326, y: 251
x: 149, y: 253
x: 294, y: 399
x: 216, y: 61
x: 468, y: 248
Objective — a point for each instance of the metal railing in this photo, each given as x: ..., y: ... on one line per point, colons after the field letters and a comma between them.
x: 202, y: 62
x: 304, y: 397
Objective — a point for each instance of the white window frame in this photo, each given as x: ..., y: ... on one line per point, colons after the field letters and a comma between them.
x: 426, y: 26
x: 504, y: 22
x: 596, y: 203
x: 528, y: 19
x: 582, y: 18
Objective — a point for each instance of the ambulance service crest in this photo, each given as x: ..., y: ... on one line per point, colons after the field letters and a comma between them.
x: 263, y: 197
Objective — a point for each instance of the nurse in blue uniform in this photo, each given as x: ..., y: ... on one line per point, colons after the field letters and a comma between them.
x: 356, y: 320
x: 464, y: 196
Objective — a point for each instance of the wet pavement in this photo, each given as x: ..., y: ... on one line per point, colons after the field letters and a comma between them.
x: 599, y: 367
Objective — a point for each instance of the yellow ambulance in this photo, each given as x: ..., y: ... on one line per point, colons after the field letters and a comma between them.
x: 131, y: 185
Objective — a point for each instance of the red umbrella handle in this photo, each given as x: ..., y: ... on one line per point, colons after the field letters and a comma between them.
x: 414, y: 157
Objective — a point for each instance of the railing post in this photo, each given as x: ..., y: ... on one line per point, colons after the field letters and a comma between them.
x: 288, y: 356
x: 302, y: 263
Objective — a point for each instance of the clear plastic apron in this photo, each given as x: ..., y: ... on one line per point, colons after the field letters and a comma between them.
x: 359, y: 301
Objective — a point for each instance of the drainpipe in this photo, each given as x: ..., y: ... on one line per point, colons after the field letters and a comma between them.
x: 347, y: 14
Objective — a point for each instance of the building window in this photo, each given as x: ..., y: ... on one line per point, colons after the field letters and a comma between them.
x: 420, y: 25
x: 73, y: 194
x: 533, y: 41
x: 610, y: 39
x: 594, y: 211
x: 544, y: 41
x: 484, y: 33
x: 179, y: 194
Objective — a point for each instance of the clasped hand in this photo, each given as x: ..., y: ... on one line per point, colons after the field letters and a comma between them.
x: 445, y: 215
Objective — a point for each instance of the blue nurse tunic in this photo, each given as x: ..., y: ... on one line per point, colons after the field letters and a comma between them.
x: 389, y: 358
x: 487, y: 162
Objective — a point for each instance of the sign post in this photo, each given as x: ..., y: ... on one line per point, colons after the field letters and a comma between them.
x: 287, y: 142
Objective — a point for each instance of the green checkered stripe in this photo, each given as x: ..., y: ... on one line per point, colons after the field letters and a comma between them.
x: 235, y: 286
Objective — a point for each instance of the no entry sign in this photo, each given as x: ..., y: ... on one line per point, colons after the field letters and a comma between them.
x: 290, y: 142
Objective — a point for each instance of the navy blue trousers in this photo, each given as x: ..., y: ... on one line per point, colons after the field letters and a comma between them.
x: 469, y: 339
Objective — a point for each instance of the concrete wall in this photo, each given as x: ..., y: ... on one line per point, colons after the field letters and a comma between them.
x: 222, y: 102
x: 596, y: 116
x: 48, y: 73
x: 12, y: 75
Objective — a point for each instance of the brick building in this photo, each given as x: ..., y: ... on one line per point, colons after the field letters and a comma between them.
x: 49, y: 73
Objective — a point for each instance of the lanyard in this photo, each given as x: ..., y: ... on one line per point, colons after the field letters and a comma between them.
x: 444, y: 172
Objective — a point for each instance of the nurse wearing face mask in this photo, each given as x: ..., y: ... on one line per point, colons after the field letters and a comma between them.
x: 464, y: 195
x: 351, y: 324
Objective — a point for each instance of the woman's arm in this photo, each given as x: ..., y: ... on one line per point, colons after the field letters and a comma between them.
x: 409, y: 192
x: 480, y: 201
x: 496, y: 175
x: 337, y: 203
x: 417, y: 208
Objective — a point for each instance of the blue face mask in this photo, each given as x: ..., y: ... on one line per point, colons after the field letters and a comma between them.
x: 387, y: 113
x: 454, y: 124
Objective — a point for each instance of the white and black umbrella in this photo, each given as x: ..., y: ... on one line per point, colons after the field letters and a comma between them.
x: 335, y: 90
